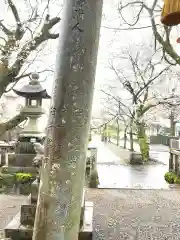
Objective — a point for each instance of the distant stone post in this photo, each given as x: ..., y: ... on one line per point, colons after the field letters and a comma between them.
x: 63, y: 169
x: 6, y: 157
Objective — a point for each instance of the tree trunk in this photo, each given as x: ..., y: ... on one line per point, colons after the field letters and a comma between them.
x: 143, y: 141
x: 105, y: 133
x: 109, y: 138
x: 131, y: 139
x: 118, y: 133
x: 125, y: 138
x: 172, y: 125
x: 63, y: 169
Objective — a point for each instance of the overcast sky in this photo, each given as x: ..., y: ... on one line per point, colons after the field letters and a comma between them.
x: 111, y: 42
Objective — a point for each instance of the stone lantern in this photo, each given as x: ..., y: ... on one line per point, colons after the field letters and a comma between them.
x: 33, y: 93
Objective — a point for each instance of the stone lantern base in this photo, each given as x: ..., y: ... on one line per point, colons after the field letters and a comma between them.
x: 24, y: 151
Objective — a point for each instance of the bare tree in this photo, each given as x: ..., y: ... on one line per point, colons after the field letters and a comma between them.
x: 119, y: 111
x: 172, y: 111
x: 19, y: 42
x: 162, y: 33
x: 170, y: 87
x: 137, y: 81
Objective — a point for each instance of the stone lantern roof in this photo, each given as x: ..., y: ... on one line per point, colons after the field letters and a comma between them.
x: 33, y: 89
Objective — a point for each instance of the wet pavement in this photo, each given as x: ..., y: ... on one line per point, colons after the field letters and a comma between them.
x: 160, y: 152
x: 115, y: 172
x: 136, y: 177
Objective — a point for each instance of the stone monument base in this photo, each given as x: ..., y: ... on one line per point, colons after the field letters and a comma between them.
x: 20, y: 160
x: 136, y: 158
x: 21, y: 227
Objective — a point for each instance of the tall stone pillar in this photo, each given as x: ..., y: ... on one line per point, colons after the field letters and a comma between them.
x: 63, y: 170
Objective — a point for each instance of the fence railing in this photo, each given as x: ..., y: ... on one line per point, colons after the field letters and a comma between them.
x: 159, y: 139
x: 174, y: 160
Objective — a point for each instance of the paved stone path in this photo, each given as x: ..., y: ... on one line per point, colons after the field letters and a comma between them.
x: 136, y: 214
x: 115, y: 172
x: 9, y: 206
x: 122, y: 214
x: 157, y: 151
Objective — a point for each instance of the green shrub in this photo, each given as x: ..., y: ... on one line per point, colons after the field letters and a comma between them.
x: 177, y: 180
x: 24, y: 178
x: 170, y: 177
x: 94, y: 179
x: 22, y: 181
x: 17, y: 178
x: 7, y: 179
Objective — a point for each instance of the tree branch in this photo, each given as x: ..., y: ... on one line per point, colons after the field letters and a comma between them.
x: 12, y: 123
x: 19, y: 30
x: 129, y: 28
x: 167, y: 46
x: 126, y: 84
x: 30, y: 73
x: 33, y: 45
x: 119, y: 103
x: 154, y: 5
x: 5, y: 29
x: 151, y: 81
x: 14, y: 11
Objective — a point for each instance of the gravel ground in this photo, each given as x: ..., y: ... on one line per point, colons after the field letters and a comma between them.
x: 136, y: 214
x: 122, y: 214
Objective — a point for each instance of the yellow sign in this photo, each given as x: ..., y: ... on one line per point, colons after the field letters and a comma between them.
x: 171, y: 13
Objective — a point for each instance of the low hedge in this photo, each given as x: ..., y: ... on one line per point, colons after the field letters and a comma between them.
x: 172, y: 178
x: 94, y: 179
x: 16, y: 179
x: 7, y: 180
x: 22, y: 178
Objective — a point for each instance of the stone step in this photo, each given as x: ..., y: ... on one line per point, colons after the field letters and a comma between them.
x: 15, y: 169
x: 86, y: 232
x: 21, y: 160
x: 16, y: 231
x: 27, y: 215
x: 34, y: 191
x: 82, y: 208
